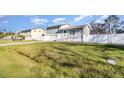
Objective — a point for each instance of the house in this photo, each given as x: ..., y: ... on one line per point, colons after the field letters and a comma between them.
x: 52, y: 32
x: 26, y: 34
x: 68, y: 32
x: 56, y: 28
x: 63, y: 32
x: 75, y: 33
x: 34, y: 34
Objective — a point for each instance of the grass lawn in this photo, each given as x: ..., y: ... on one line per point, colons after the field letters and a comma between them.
x: 10, y: 41
x: 61, y: 60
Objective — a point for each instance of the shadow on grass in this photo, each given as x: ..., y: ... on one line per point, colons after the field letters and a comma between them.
x: 106, y: 46
x: 120, y: 47
x: 65, y: 50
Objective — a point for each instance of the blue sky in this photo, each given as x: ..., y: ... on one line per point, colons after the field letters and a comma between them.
x: 22, y: 22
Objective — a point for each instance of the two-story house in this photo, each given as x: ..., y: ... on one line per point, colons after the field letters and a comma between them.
x: 34, y: 34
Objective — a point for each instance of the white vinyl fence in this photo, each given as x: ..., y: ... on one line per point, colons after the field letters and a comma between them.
x: 108, y: 38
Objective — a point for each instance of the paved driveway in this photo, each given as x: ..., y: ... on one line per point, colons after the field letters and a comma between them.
x: 18, y: 43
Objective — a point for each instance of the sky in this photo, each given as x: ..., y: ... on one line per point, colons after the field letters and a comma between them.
x: 22, y: 22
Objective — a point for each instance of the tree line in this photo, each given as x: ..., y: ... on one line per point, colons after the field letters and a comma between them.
x: 12, y: 35
x: 112, y: 24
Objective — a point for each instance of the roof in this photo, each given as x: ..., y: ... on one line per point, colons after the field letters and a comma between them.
x: 29, y: 30
x: 56, y: 26
x: 74, y: 27
x: 38, y: 28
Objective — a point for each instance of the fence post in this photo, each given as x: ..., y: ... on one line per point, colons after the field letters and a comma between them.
x: 82, y: 35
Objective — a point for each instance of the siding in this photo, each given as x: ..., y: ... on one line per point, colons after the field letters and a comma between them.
x: 52, y: 31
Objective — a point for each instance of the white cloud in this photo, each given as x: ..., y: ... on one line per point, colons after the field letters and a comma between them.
x: 39, y: 21
x: 101, y: 19
x: 104, y: 16
x: 5, y: 21
x: 59, y: 20
x: 1, y: 16
x: 5, y: 17
x: 98, y: 21
x: 79, y: 18
x: 26, y: 15
x: 90, y: 16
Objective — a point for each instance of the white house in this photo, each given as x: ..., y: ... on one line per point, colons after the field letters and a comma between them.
x: 34, y: 34
x: 56, y: 28
x: 52, y: 32
x: 67, y: 32
x: 63, y: 32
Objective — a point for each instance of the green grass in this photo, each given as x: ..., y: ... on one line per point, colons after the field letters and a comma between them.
x: 52, y: 59
x: 10, y: 41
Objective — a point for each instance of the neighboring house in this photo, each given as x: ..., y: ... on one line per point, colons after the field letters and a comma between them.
x: 7, y: 38
x: 56, y: 28
x: 26, y: 34
x: 34, y: 34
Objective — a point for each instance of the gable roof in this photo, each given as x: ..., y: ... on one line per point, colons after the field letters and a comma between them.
x: 56, y: 26
x: 76, y: 27
x: 29, y: 30
x: 38, y: 28
x: 23, y: 31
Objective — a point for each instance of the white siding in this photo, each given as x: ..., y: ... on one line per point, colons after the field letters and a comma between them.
x: 64, y: 26
x: 52, y: 31
x: 86, y: 30
x: 37, y: 34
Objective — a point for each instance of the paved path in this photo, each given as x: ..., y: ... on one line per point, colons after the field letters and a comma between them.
x: 18, y: 43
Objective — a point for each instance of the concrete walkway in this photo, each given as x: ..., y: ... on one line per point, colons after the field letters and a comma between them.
x: 18, y: 43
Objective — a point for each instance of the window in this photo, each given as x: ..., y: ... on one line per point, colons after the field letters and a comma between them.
x: 64, y: 31
x: 43, y: 34
x: 72, y: 32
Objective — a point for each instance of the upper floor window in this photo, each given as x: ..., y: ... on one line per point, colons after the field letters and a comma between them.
x: 64, y: 31
x: 72, y: 32
x: 43, y: 34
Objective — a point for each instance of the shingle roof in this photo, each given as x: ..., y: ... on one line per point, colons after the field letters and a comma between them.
x: 29, y: 30
x: 73, y: 27
x: 56, y: 26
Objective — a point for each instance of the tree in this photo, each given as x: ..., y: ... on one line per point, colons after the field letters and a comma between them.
x: 98, y: 28
x: 112, y: 23
x: 4, y: 30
